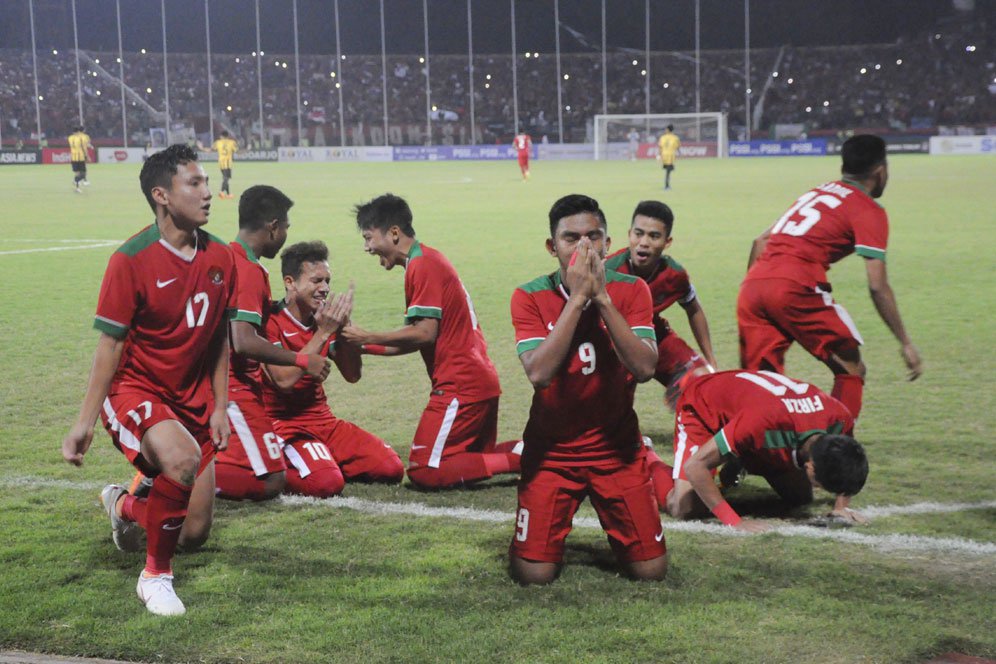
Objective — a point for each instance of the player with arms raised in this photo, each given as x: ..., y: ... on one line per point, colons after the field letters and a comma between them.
x: 785, y: 296
x: 584, y: 336
x: 159, y: 378
x: 455, y: 442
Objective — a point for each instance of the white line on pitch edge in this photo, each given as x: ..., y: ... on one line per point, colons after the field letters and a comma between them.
x: 67, y: 248
x: 891, y: 542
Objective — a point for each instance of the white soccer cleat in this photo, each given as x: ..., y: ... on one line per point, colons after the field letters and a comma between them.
x: 86, y: 183
x: 518, y: 447
x: 157, y: 593
x: 127, y: 535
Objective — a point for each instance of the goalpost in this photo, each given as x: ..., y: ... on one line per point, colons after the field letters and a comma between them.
x: 701, y: 134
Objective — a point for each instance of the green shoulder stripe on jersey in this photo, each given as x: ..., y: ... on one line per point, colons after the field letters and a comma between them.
x: 141, y: 240
x: 673, y: 264
x: 869, y: 252
x: 279, y: 306
x: 614, y: 262
x: 723, y: 444
x: 214, y: 238
x: 645, y: 333
x: 249, y: 252
x: 612, y: 275
x: 860, y: 187
x: 546, y: 282
x: 110, y: 328
x: 794, y: 439
x: 422, y: 312
x: 248, y: 317
x: 230, y: 314
x: 415, y: 251
x: 528, y: 344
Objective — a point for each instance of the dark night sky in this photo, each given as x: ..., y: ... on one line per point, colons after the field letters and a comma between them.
x: 773, y: 23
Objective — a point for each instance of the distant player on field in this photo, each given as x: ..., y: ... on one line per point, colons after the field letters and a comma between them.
x: 159, y: 378
x: 454, y: 443
x: 523, y: 145
x: 633, y: 137
x: 79, y: 146
x: 252, y: 467
x: 786, y: 297
x: 667, y: 146
x: 584, y: 336
x: 323, y: 451
x: 226, y: 147
x: 790, y: 433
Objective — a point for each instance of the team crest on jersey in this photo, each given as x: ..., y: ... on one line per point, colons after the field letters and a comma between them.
x: 216, y: 275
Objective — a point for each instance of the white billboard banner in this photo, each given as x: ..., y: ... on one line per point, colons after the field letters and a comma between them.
x: 336, y: 154
x: 963, y: 145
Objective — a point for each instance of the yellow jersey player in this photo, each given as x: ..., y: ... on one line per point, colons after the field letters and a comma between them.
x: 79, y: 143
x: 226, y: 147
x: 668, y: 144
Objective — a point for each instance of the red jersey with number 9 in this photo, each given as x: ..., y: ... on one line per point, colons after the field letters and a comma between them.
x: 824, y: 225
x: 167, y: 307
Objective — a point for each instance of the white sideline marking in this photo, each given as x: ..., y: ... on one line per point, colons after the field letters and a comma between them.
x: 109, y: 243
x: 893, y: 542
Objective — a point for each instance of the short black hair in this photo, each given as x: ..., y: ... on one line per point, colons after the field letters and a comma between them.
x: 574, y: 204
x: 670, y: 127
x: 656, y: 210
x: 861, y: 154
x: 839, y: 463
x: 159, y: 169
x: 79, y: 127
x: 260, y: 204
x: 224, y: 133
x: 383, y: 212
x: 296, y: 255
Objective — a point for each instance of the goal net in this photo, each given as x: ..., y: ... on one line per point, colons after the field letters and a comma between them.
x: 635, y: 136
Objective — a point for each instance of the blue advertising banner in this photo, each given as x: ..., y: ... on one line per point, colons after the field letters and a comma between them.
x: 816, y: 146
x: 455, y: 152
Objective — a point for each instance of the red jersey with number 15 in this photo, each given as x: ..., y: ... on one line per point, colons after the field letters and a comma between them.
x: 824, y: 225
x: 458, y: 362
x: 585, y: 415
x: 307, y: 398
x: 762, y: 417
x: 167, y: 308
x: 254, y: 304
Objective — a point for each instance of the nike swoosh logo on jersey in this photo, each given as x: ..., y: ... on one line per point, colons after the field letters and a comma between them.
x: 166, y: 526
x: 163, y: 284
x: 549, y: 326
x: 290, y: 334
x: 660, y: 536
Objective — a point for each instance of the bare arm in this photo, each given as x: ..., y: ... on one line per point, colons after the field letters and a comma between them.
x: 246, y: 341
x: 349, y: 361
x: 700, y: 329
x: 105, y: 363
x: 758, y: 247
x: 698, y: 468
x: 218, y: 422
x: 420, y: 333
x: 885, y: 303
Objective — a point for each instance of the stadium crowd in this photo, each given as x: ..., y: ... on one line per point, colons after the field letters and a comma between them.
x: 938, y: 78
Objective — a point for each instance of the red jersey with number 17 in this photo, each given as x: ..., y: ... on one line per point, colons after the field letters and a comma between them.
x: 823, y: 226
x: 167, y: 308
x: 307, y: 398
x: 458, y: 362
x: 585, y: 415
x: 254, y: 304
x: 762, y: 417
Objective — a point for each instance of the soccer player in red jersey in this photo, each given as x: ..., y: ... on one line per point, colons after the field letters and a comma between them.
x: 159, y: 378
x: 523, y: 145
x: 585, y: 337
x: 785, y: 296
x: 454, y: 443
x: 253, y: 464
x: 790, y: 433
x: 322, y: 451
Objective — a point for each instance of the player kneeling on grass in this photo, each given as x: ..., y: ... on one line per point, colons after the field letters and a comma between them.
x: 323, y: 451
x: 159, y: 378
x: 585, y: 336
x: 791, y: 433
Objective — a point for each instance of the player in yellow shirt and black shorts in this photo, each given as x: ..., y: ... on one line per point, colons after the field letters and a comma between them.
x: 79, y: 143
x: 668, y: 144
x: 226, y: 147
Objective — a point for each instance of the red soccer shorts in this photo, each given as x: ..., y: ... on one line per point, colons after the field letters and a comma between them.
x: 675, y: 358
x: 253, y: 443
x: 623, y: 498
x: 450, y: 427
x: 689, y: 435
x: 523, y: 160
x: 329, y: 441
x: 127, y: 416
x: 772, y: 313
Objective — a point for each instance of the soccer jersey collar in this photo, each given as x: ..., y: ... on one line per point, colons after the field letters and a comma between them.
x: 250, y: 254
x: 176, y: 252
x: 660, y: 267
x: 413, y: 252
x: 285, y: 309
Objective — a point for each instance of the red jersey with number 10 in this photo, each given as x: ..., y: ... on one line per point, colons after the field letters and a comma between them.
x: 823, y: 226
x: 167, y: 308
x: 458, y: 362
x: 763, y: 417
x: 585, y: 415
x: 254, y: 304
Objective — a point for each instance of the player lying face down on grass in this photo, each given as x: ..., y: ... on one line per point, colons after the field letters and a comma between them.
x: 455, y: 442
x: 791, y: 433
x: 585, y: 337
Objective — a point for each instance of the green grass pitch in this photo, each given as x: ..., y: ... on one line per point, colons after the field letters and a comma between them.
x: 296, y: 582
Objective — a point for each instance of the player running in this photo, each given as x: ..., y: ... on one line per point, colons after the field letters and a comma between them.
x: 785, y: 296
x: 159, y: 378
x: 454, y: 443
x: 523, y: 145
x: 79, y: 147
x: 584, y: 336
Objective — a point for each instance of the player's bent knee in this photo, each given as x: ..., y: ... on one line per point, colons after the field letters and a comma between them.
x: 195, y: 533
x: 531, y: 573
x: 325, y: 483
x: 654, y: 569
x: 273, y: 485
x: 390, y: 471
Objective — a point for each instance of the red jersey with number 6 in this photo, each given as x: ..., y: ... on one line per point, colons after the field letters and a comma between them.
x: 167, y: 307
x: 254, y: 304
x: 762, y: 417
x: 585, y: 415
x: 824, y: 225
x: 307, y: 398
